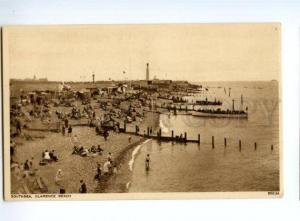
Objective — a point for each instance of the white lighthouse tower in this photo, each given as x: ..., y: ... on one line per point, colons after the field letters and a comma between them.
x: 147, y: 72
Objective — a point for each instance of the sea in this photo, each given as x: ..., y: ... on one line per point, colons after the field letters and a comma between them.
x: 236, y: 166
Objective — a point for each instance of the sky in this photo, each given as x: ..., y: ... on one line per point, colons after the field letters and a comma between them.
x: 193, y: 52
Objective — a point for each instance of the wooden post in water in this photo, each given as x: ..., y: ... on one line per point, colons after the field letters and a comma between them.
x: 225, y: 142
x: 272, y: 148
x: 240, y: 145
x: 159, y: 132
x: 213, y: 142
x: 148, y: 131
x: 242, y: 102
x: 199, y: 139
x: 172, y: 134
x: 185, y: 136
x: 255, y: 145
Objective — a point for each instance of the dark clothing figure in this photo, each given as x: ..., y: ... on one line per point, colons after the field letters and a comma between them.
x: 75, y: 150
x: 18, y: 127
x: 66, y: 123
x: 26, y: 165
x: 80, y: 149
x: 52, y: 156
x: 82, y: 188
x: 63, y: 130
x: 147, y: 162
x: 99, y: 172
x: 105, y: 135
x: 99, y: 149
x: 93, y: 149
x: 70, y: 130
x: 12, y: 150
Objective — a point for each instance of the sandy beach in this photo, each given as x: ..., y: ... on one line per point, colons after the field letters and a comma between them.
x: 74, y: 167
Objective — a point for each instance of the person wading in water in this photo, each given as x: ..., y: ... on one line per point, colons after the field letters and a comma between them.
x: 147, y: 162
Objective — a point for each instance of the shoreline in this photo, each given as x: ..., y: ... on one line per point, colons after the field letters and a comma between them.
x: 74, y: 167
x: 124, y: 174
x: 108, y: 183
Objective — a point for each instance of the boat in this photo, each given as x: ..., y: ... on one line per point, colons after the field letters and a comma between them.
x: 220, y: 114
x: 206, y: 102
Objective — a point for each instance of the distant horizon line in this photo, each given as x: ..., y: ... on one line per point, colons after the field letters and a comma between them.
x: 46, y: 80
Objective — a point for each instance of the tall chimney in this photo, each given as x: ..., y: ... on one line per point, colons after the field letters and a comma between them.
x: 93, y: 78
x: 147, y: 72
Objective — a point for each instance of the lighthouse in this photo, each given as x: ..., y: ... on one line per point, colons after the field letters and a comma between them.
x: 147, y: 72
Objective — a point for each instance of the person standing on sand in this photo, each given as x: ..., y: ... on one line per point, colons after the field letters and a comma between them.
x: 26, y: 168
x: 106, y: 134
x: 99, y: 172
x: 18, y: 172
x: 63, y: 130
x: 82, y: 188
x: 70, y: 131
x: 109, y: 157
x: 12, y: 148
x: 18, y: 127
x: 147, y: 162
x: 32, y: 164
x: 59, y: 177
x: 66, y: 122
x: 106, y: 167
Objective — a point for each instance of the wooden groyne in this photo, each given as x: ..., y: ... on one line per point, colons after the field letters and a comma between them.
x: 181, y: 139
x: 148, y: 134
x: 158, y: 136
x: 164, y: 138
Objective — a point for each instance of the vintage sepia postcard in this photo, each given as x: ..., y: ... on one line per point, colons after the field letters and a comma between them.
x: 152, y: 111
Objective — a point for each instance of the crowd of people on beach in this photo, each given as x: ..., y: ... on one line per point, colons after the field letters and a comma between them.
x: 48, y: 157
x: 76, y: 113
x: 42, y: 108
x: 28, y: 177
x: 109, y: 167
x: 23, y: 171
x: 102, y: 172
x: 84, y: 152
